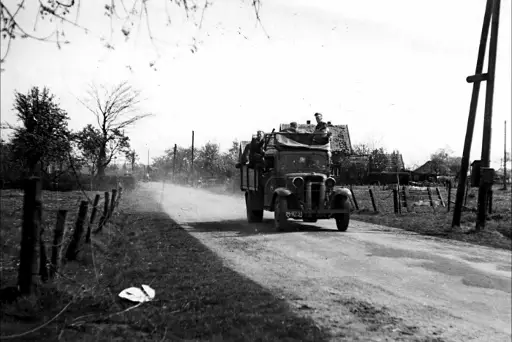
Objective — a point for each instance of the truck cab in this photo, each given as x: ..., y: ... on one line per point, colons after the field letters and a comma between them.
x: 294, y: 182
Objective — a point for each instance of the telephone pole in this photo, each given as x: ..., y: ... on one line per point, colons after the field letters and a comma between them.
x: 505, y: 158
x: 487, y: 174
x: 464, y: 167
x: 174, y: 163
x: 491, y: 18
x: 192, y: 164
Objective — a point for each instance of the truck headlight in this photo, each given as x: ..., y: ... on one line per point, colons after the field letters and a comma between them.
x: 298, y: 182
x: 330, y: 182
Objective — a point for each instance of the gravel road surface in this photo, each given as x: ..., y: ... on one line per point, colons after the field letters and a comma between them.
x: 436, y: 288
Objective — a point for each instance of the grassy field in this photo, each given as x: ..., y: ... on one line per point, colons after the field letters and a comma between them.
x: 436, y: 221
x: 197, y: 297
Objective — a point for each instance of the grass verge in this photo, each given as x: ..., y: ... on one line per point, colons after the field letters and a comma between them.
x: 497, y: 232
x: 197, y: 297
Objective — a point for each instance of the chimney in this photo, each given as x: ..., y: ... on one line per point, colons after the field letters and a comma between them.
x: 308, y: 122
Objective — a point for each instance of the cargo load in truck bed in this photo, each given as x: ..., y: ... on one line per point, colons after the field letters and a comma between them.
x: 300, y: 141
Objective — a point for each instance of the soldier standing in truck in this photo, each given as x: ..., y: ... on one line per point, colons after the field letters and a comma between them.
x: 323, y: 129
x: 253, y: 151
x: 292, y: 128
x: 321, y: 125
x: 256, y: 154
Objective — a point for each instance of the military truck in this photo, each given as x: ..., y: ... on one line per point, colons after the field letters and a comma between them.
x: 294, y: 182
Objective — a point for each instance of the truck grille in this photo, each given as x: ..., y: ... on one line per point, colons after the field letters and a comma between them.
x: 314, y: 195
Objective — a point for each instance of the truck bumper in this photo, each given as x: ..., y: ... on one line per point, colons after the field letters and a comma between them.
x: 309, y: 213
x: 325, y: 211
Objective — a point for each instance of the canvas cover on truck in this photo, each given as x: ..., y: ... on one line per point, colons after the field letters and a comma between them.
x: 299, y: 141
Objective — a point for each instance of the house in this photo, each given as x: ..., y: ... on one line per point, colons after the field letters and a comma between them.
x: 429, y: 170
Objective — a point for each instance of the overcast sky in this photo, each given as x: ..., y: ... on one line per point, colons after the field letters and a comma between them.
x: 393, y: 71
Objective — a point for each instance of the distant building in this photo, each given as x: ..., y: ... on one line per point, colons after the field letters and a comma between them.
x: 429, y: 171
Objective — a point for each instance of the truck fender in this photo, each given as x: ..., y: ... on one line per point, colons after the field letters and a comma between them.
x: 342, y: 194
x: 279, y: 192
x: 341, y: 191
x: 282, y: 192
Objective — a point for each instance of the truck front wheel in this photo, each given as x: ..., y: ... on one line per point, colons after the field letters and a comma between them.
x: 342, y: 220
x: 280, y: 209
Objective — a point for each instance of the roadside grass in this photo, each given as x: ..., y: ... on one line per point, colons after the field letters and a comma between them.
x: 197, y: 297
x: 70, y: 290
x: 437, y: 221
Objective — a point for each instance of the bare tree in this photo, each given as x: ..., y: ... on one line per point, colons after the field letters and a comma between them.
x: 125, y: 11
x: 115, y: 109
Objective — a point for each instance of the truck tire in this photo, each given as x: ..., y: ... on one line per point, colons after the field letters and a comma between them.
x: 253, y: 216
x: 342, y: 220
x: 280, y: 209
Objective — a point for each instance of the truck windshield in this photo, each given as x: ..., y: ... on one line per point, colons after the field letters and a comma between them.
x: 295, y: 162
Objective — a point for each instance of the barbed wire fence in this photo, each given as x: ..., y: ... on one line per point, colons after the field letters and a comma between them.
x: 41, y: 259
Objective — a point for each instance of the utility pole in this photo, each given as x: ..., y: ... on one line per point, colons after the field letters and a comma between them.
x: 491, y: 12
x: 192, y: 163
x: 505, y: 158
x: 174, y: 163
x: 486, y: 174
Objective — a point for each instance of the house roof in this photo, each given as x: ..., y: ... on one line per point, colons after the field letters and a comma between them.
x: 340, y: 138
x: 428, y: 168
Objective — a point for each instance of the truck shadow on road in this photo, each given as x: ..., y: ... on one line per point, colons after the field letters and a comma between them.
x: 243, y: 228
x: 201, y: 297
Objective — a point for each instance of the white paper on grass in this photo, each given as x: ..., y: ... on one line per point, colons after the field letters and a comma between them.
x: 135, y: 294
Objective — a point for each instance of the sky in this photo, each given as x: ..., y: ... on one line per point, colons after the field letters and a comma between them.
x: 394, y: 72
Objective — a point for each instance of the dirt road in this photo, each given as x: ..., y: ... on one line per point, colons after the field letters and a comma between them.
x: 449, y: 290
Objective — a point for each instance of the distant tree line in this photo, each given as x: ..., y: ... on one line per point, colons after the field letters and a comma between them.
x: 209, y: 163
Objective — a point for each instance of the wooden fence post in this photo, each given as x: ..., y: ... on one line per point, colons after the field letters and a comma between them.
x: 112, y: 203
x: 43, y: 257
x: 119, y: 195
x: 468, y: 189
x: 57, y: 240
x: 440, y: 197
x: 77, y: 233
x: 489, y: 196
x: 404, y: 193
x: 449, y: 195
x: 92, y: 218
x: 395, y: 201
x: 354, y: 198
x: 28, y: 271
x: 430, y: 196
x: 104, y: 216
x: 399, y: 199
x: 373, y: 200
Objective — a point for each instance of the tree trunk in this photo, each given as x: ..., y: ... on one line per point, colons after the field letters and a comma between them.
x: 101, y: 161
